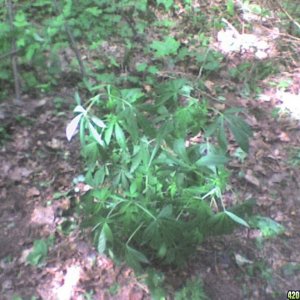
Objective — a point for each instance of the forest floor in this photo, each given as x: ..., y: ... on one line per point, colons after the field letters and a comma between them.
x: 40, y: 186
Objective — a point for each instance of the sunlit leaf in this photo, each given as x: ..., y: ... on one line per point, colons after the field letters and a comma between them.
x: 236, y: 218
x: 98, y: 122
x: 79, y: 109
x: 95, y: 134
x: 72, y: 127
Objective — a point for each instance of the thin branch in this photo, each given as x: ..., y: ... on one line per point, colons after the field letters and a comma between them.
x: 287, y: 14
x: 11, y: 53
x: 72, y: 42
x: 14, y: 58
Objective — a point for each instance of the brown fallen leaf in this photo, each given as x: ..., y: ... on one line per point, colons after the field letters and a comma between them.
x: 43, y: 216
x: 18, y: 173
x: 283, y: 137
x: 252, y: 179
x: 32, y: 192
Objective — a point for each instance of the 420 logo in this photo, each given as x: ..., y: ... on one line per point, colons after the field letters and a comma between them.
x: 293, y: 295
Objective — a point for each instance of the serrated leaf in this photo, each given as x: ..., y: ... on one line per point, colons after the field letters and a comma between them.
x: 236, y: 218
x: 72, y: 127
x: 132, y: 95
x: 167, y: 47
x: 91, y: 152
x: 239, y: 122
x: 108, y: 133
x: 241, y: 131
x: 220, y: 223
x: 98, y: 122
x: 211, y: 129
x: 131, y: 125
x: 101, y: 245
x: 108, y: 233
x: 240, y: 136
x: 99, y: 176
x: 120, y: 136
x: 180, y: 150
x: 95, y: 134
x: 221, y: 135
x: 211, y: 160
x: 135, y: 162
x: 79, y: 109
x: 139, y: 256
x: 166, y: 212
x: 268, y: 227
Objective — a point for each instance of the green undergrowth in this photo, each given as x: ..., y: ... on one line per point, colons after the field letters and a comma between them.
x: 156, y: 194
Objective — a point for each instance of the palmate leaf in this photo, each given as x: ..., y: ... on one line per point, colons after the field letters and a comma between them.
x: 135, y: 258
x: 151, y: 232
x: 132, y: 95
x: 169, y: 90
x: 240, y: 129
x: 220, y: 223
x: 166, y: 47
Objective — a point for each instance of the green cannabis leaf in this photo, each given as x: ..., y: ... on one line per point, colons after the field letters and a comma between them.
x: 164, y: 48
